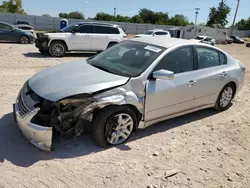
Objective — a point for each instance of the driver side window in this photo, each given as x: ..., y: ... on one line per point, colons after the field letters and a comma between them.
x: 5, y: 27
x: 85, y: 29
x: 178, y: 61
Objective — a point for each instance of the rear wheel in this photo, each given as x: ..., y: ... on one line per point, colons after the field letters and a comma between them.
x: 57, y: 49
x: 24, y: 40
x: 225, y: 98
x: 111, y: 44
x: 113, y: 125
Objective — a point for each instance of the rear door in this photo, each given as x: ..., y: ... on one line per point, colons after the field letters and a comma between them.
x: 211, y: 75
x: 81, y: 39
x: 102, y: 36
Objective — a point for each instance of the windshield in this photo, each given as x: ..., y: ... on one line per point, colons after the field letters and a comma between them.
x: 70, y: 28
x: 148, y: 33
x: 128, y: 58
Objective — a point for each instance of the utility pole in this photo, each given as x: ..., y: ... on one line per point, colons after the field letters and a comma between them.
x: 235, y: 15
x: 196, y: 14
x: 114, y: 12
x: 196, y: 17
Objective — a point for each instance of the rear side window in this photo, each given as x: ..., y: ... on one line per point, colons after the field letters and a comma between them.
x: 223, y: 58
x: 207, y: 57
x: 105, y: 30
x: 160, y: 33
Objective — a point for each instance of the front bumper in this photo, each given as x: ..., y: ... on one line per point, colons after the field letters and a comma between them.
x: 42, y: 44
x: 38, y: 135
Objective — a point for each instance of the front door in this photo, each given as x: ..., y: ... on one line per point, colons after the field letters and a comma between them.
x: 7, y: 33
x: 81, y: 39
x: 168, y: 97
x: 211, y: 75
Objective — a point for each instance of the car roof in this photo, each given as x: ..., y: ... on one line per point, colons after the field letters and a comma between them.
x: 98, y: 23
x: 163, y: 41
x: 158, y: 30
x: 6, y: 24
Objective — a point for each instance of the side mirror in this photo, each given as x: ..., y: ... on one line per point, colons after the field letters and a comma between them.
x: 163, y: 75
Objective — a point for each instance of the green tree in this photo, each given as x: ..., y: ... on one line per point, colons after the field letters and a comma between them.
x: 12, y: 6
x: 243, y: 24
x: 104, y: 17
x: 73, y: 15
x: 219, y: 15
x: 178, y: 20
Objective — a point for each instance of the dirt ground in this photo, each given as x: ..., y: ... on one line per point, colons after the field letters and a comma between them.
x: 203, y: 149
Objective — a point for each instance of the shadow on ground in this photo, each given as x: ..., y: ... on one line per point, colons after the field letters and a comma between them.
x: 40, y: 55
x: 16, y: 149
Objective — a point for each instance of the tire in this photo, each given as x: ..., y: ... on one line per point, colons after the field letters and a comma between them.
x: 111, y: 44
x: 24, y: 40
x: 105, y: 125
x: 227, y: 93
x: 57, y: 49
x: 43, y: 51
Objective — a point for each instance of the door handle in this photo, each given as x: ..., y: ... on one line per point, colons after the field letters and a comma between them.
x: 223, y: 74
x: 191, y: 83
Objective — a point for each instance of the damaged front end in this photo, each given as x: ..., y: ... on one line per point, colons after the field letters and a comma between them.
x: 40, y: 119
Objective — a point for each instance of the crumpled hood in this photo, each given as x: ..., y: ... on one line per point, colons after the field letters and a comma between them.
x: 72, y: 78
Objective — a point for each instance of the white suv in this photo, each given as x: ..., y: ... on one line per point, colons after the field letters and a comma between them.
x: 155, y: 32
x: 87, y: 36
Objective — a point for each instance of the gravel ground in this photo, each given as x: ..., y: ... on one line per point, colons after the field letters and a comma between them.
x: 203, y: 149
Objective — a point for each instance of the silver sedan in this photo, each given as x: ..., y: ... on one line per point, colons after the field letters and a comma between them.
x: 130, y: 86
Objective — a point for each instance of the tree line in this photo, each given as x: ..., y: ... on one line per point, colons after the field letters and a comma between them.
x: 217, y: 16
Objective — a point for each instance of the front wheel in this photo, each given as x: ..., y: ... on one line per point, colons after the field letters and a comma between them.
x: 113, y: 125
x: 225, y: 98
x: 57, y: 49
x: 24, y: 40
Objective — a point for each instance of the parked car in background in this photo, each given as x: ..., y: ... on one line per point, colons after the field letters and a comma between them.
x: 133, y: 84
x: 27, y: 28
x: 20, y: 22
x: 205, y: 39
x: 229, y: 40
x: 85, y: 36
x: 155, y: 32
x: 10, y: 33
x: 237, y: 39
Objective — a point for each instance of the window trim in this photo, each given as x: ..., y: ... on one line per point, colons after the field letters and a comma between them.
x: 178, y: 48
x: 207, y: 47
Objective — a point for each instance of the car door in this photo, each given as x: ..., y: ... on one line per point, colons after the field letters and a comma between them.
x: 7, y: 33
x: 101, y: 37
x: 168, y: 97
x: 211, y: 75
x: 81, y: 39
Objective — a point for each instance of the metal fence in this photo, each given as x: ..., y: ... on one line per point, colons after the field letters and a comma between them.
x: 53, y: 23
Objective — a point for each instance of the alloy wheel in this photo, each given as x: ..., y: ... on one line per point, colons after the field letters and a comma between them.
x: 58, y: 50
x: 120, y: 128
x: 24, y: 40
x: 226, y: 96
